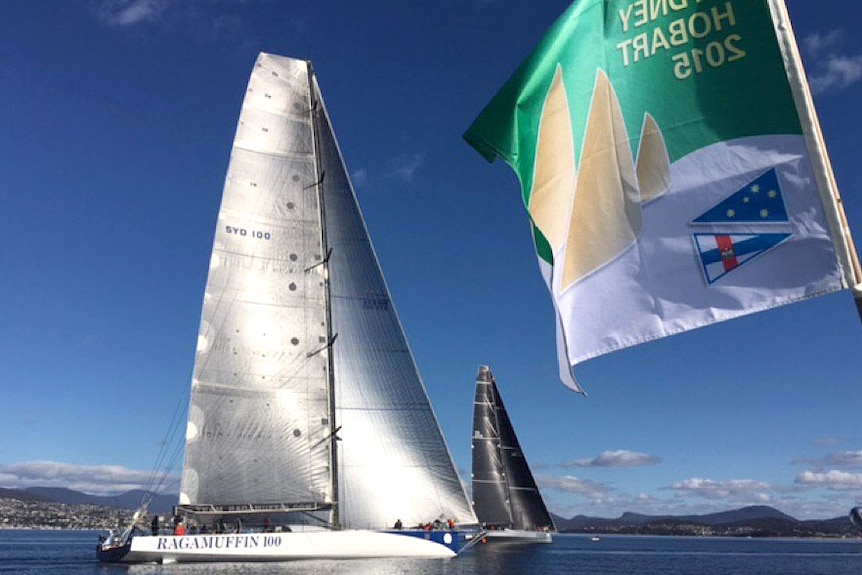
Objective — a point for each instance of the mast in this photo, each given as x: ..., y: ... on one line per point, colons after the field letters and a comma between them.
x: 314, y: 110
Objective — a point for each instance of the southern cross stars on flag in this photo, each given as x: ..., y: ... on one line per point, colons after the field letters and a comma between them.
x: 759, y: 201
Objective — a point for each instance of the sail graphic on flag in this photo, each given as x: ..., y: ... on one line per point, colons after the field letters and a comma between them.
x: 672, y: 167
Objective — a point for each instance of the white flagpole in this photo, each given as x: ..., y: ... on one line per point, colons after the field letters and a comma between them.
x: 826, y: 184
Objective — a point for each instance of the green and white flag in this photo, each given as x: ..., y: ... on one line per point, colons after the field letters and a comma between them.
x: 672, y: 167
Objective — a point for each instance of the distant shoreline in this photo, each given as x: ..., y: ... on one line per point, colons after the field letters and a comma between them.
x: 23, y: 510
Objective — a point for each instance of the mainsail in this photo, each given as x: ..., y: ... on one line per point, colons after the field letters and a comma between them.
x: 305, y: 395
x: 505, y: 495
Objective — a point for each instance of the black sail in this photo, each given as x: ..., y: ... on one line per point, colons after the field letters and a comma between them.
x: 505, y: 495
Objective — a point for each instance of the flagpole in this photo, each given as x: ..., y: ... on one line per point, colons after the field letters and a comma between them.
x: 826, y: 184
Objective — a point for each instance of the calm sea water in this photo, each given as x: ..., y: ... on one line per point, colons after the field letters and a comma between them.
x: 73, y: 553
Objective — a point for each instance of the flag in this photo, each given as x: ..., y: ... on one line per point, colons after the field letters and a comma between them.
x: 672, y: 168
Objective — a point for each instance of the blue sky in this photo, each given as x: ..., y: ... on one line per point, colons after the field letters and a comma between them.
x: 115, y: 129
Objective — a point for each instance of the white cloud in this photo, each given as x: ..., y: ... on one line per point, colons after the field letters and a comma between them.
x: 734, y: 490
x: 845, y: 459
x: 206, y: 22
x: 834, y: 480
x: 359, y: 177
x: 618, y: 458
x: 841, y: 459
x: 129, y: 12
x: 93, y: 479
x: 404, y: 167
x: 830, y: 441
x: 829, y: 68
x: 816, y: 43
x: 644, y: 499
x: 836, y: 73
x: 574, y: 485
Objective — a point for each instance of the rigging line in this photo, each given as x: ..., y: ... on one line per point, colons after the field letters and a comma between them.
x: 175, y: 458
x: 321, y: 262
x: 177, y: 441
x: 157, y: 479
x: 317, y: 183
x: 326, y: 346
x: 170, y: 434
x: 158, y: 473
x: 327, y: 438
x: 301, y: 360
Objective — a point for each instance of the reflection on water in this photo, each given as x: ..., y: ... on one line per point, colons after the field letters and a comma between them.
x: 73, y: 553
x: 490, y: 559
x: 316, y: 567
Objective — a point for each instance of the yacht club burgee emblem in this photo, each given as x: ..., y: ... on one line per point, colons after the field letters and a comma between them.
x: 758, y: 205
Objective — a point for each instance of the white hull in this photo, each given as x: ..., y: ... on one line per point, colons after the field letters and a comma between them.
x: 346, y: 544
x: 518, y: 536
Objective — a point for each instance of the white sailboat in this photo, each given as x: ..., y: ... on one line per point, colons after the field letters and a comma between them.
x: 310, y: 433
x: 505, y: 496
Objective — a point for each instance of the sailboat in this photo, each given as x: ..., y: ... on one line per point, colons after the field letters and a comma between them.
x: 506, y: 499
x: 310, y: 434
x: 856, y: 517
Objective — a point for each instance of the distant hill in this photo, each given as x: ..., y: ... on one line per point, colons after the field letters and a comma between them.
x: 753, y: 521
x: 20, y: 495
x: 753, y: 512
x: 160, y: 504
x: 558, y: 520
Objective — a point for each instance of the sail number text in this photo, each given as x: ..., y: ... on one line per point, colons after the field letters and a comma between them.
x: 257, y: 234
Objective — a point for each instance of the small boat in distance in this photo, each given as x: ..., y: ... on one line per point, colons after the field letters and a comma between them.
x: 310, y: 434
x: 506, y: 499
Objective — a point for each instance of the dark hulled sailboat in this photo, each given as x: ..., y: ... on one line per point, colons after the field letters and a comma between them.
x: 506, y: 499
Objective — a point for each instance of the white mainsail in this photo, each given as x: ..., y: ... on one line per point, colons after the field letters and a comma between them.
x: 305, y: 393
x: 260, y: 399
